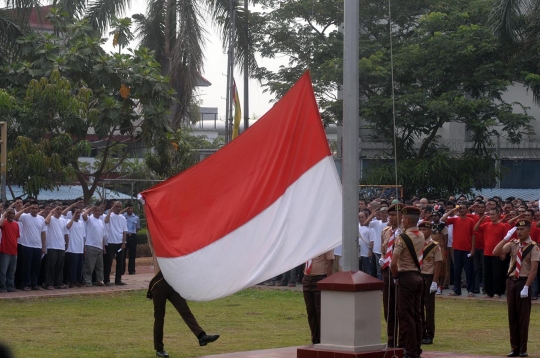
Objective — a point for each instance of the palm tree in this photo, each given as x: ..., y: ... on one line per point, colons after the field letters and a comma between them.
x: 517, y: 24
x: 174, y: 29
x: 516, y: 21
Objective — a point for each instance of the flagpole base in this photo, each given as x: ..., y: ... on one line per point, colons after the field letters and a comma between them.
x: 325, y: 353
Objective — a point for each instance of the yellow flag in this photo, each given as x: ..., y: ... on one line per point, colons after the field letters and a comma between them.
x: 237, y: 111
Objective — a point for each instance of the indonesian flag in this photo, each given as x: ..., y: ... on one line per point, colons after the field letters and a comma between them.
x: 267, y: 202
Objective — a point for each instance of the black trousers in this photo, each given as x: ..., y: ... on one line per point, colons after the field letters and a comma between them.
x: 74, y: 263
x: 161, y: 292
x: 131, y: 253
x: 428, y: 309
x: 312, y: 299
x: 55, y: 267
x: 19, y: 269
x: 389, y: 305
x: 494, y: 275
x: 112, y: 253
x: 519, y: 314
x: 411, y: 286
x: 31, y: 266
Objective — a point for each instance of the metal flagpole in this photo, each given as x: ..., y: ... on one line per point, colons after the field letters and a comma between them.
x: 351, y: 152
x: 230, y: 73
x: 246, y: 72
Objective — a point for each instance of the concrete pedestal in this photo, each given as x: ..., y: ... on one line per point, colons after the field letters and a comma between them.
x: 350, y: 318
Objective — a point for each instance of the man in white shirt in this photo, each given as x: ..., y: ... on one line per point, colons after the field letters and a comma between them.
x: 75, y: 251
x: 33, y: 244
x: 57, y: 242
x: 94, y: 246
x: 365, y: 242
x: 116, y: 243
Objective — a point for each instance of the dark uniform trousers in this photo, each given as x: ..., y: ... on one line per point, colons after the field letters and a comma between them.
x: 160, y: 291
x: 131, y: 251
x: 519, y: 313
x: 411, y: 286
x: 428, y: 309
x: 312, y: 299
x: 389, y: 305
x: 494, y: 275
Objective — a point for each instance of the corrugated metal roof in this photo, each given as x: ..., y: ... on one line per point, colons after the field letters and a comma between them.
x: 66, y: 193
x: 525, y: 194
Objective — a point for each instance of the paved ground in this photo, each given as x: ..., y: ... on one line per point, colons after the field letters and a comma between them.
x: 145, y: 272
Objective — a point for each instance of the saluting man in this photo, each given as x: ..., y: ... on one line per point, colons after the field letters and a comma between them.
x: 431, y: 265
x: 388, y: 237
x: 525, y: 255
x: 405, y: 268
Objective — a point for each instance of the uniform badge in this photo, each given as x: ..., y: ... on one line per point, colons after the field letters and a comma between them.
x: 528, y: 260
x: 428, y: 259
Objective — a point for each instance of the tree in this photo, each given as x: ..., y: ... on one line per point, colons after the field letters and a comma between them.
x: 447, y: 67
x: 174, y: 30
x: 68, y: 87
x: 516, y: 24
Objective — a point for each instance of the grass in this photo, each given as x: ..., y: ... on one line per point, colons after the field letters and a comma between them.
x: 120, y: 325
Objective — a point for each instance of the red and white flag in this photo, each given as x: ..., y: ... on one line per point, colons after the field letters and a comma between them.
x: 265, y: 203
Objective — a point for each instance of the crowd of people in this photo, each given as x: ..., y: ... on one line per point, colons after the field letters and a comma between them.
x: 58, y: 245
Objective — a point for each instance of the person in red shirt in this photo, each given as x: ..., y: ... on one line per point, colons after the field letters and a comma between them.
x: 463, y: 245
x: 8, y: 251
x: 494, y: 268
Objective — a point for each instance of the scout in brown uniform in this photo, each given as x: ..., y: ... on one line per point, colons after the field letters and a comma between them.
x: 525, y: 255
x: 406, y: 274
x: 315, y: 270
x: 431, y: 266
x: 391, y: 232
x: 160, y: 291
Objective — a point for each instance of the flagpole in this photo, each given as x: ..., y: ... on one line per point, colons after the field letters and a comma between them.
x: 351, y: 152
x: 246, y: 72
x: 230, y: 72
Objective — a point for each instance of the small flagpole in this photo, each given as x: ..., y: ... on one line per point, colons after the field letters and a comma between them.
x: 246, y: 72
x: 351, y: 152
x: 230, y: 73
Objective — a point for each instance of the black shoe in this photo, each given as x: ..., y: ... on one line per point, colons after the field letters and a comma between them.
x: 204, y: 340
x: 513, y: 354
x: 523, y: 354
x: 162, y: 354
x: 427, y: 341
x: 120, y: 283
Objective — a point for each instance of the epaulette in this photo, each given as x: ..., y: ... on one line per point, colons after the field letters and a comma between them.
x: 386, y: 228
x: 435, y: 242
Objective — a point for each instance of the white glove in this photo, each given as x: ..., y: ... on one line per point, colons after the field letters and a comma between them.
x: 396, y: 281
x: 510, y: 233
x: 525, y: 292
x: 381, y: 261
x: 433, y: 287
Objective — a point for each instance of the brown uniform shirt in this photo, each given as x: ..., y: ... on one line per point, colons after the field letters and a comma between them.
x: 406, y: 262
x: 534, y: 255
x: 435, y: 255
x: 318, y: 264
x: 385, y: 236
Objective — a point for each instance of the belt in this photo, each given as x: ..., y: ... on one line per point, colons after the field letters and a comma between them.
x: 518, y: 279
x: 407, y: 273
x: 318, y: 277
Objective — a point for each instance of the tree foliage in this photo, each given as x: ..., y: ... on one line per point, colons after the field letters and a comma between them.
x: 448, y: 67
x: 66, y: 86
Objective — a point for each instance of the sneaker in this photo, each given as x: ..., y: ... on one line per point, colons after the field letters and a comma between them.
x: 50, y: 288
x: 109, y: 284
x: 100, y: 283
x: 162, y: 354
x: 439, y: 291
x: 496, y: 296
x: 269, y: 283
x: 87, y: 285
x: 470, y: 294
